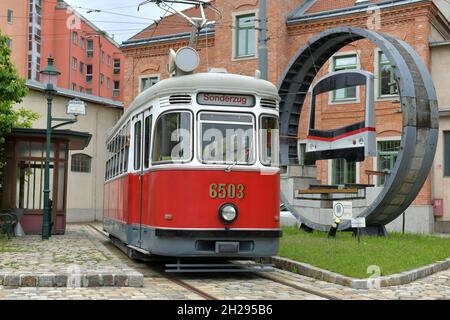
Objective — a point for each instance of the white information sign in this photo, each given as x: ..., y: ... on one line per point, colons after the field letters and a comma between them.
x: 76, y: 108
x: 342, y: 210
x: 359, y: 223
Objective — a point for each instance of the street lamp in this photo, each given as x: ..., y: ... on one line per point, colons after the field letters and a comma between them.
x: 49, y: 76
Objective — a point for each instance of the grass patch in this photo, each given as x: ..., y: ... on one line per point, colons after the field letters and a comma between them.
x: 344, y: 255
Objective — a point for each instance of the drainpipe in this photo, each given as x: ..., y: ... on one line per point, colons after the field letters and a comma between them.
x: 262, y: 50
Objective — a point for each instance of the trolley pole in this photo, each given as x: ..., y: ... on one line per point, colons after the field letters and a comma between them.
x: 262, y: 50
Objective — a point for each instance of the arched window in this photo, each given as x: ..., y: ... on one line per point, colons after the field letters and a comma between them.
x: 81, y: 163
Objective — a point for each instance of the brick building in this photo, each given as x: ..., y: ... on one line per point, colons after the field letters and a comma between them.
x: 232, y: 44
x: 89, y: 60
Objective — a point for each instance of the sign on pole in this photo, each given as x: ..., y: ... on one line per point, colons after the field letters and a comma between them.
x: 359, y: 223
x: 76, y: 107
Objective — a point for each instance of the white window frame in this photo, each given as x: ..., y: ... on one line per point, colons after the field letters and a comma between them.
x: 158, y: 76
x: 357, y: 53
x: 299, y: 155
x: 375, y: 159
x: 234, y: 34
x: 330, y: 171
x: 10, y: 16
x: 74, y: 64
x: 116, y: 92
x: 89, y: 74
x: 376, y: 64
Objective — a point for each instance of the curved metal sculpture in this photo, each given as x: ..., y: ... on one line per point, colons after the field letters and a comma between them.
x: 420, y: 116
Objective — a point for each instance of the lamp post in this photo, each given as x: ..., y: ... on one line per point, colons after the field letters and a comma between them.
x: 49, y: 76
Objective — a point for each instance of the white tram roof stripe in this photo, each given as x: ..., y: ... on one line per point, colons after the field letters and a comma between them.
x: 200, y: 82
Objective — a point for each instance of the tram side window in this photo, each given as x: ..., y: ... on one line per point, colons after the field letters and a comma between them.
x: 173, y: 139
x: 269, y: 137
x: 127, y: 146
x: 227, y: 138
x: 147, y: 140
x: 137, y: 145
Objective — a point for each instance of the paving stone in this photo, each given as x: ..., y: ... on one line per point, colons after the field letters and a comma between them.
x: 28, y: 281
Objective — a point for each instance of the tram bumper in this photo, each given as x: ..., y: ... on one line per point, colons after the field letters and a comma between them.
x: 213, y: 243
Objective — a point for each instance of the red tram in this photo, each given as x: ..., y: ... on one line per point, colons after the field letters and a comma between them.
x: 192, y: 169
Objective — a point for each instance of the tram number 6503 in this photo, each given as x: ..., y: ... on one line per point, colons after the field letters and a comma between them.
x: 224, y: 191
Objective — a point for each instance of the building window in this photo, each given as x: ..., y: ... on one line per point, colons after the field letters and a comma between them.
x: 301, y: 153
x: 81, y: 163
x: 82, y: 43
x: 74, y: 63
x: 387, y: 86
x: 102, y: 78
x: 10, y: 16
x: 81, y: 90
x: 347, y: 62
x: 74, y: 38
x: 343, y: 171
x: 446, y: 153
x: 147, y: 82
x: 108, y: 83
x: 116, y: 89
x: 74, y: 87
x: 245, y: 37
x: 387, y: 152
x: 81, y: 67
x: 108, y: 60
x: 89, y: 91
x: 116, y: 66
x: 90, y: 48
x: 9, y: 43
x: 89, y: 73
x: 102, y: 56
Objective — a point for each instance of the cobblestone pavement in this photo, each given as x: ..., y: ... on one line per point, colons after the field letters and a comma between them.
x: 78, y: 248
x: 221, y: 286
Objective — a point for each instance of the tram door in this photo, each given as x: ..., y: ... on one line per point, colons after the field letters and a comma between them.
x: 142, y: 125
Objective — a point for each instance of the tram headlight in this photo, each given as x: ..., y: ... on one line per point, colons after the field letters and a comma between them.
x: 228, y: 213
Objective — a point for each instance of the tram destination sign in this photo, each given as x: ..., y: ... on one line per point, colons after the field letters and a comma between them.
x: 230, y: 100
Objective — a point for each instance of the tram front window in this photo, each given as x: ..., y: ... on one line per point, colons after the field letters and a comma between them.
x: 227, y: 138
x: 173, y: 139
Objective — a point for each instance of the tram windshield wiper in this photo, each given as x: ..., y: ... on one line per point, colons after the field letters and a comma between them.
x: 231, y: 166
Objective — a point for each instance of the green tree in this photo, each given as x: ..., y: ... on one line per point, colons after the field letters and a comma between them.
x: 12, y: 91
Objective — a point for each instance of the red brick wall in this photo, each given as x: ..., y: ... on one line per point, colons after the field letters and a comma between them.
x: 409, y: 23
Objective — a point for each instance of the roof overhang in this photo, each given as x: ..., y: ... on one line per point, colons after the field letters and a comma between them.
x: 77, y: 140
x: 34, y: 85
x: 298, y: 14
x: 170, y: 37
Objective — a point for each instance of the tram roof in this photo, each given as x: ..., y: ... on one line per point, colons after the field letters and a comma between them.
x: 201, y: 82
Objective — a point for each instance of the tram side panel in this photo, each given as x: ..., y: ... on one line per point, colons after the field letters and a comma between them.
x: 116, y: 207
x: 182, y: 200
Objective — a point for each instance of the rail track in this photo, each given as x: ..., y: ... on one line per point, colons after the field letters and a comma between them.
x: 275, y: 277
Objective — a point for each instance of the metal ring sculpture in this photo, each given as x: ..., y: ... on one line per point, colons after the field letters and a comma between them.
x: 420, y: 116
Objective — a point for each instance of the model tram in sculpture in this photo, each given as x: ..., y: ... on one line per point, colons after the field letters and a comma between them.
x: 193, y: 169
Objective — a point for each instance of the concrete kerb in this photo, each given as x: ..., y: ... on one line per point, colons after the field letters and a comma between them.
x: 370, y: 283
x: 83, y: 280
